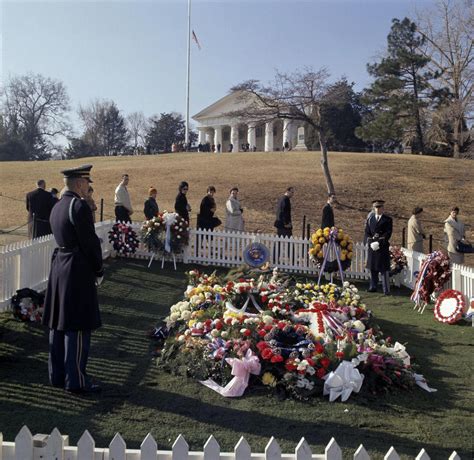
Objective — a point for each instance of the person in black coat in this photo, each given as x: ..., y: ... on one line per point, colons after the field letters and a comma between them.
x: 150, y: 208
x: 378, y: 230
x: 328, y: 212
x: 39, y: 204
x: 181, y: 205
x: 206, y: 219
x: 283, y: 214
x: 71, y: 309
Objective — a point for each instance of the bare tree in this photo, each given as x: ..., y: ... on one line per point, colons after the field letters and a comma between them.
x: 137, y: 127
x: 35, y: 110
x: 448, y: 43
x: 302, y: 95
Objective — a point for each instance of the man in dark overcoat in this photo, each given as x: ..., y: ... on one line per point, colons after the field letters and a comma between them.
x: 71, y: 304
x: 283, y: 222
x: 39, y: 204
x: 378, y: 230
x: 328, y: 212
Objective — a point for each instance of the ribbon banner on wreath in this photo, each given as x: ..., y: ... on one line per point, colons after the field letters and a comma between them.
x: 167, y: 233
x: 331, y: 250
x: 434, y: 273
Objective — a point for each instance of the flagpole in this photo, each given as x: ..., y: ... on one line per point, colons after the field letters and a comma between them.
x: 186, y: 135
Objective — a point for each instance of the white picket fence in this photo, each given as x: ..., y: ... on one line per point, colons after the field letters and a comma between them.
x: 56, y: 447
x: 27, y: 263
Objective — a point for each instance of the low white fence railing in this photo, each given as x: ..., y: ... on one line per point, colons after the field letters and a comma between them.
x: 56, y: 446
x: 27, y: 263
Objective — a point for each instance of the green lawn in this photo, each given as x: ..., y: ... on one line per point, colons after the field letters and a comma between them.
x: 140, y: 398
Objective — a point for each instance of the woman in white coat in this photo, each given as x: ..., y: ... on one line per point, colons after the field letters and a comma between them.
x: 234, y: 220
x: 454, y: 230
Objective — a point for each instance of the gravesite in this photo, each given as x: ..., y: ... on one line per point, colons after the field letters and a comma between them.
x: 236, y: 229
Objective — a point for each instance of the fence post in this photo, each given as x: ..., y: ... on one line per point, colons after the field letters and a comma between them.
x: 403, y: 237
x: 101, y: 209
x: 308, y: 230
x: 33, y: 232
x: 431, y: 244
x: 304, y: 226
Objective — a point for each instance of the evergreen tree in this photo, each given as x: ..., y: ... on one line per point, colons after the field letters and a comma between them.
x: 165, y: 130
x: 398, y: 92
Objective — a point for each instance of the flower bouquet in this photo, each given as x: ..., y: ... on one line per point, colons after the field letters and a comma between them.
x: 168, y: 232
x: 330, y: 249
x: 28, y: 305
x: 398, y: 260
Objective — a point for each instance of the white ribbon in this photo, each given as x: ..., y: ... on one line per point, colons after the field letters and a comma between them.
x: 243, y: 310
x: 169, y: 219
x: 342, y: 382
x: 421, y: 382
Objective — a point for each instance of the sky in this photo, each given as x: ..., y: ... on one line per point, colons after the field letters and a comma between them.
x: 134, y: 52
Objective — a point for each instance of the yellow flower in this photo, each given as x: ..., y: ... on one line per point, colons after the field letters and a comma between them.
x: 343, y: 243
x: 191, y: 322
x: 269, y: 379
x: 349, y: 255
x: 322, y: 240
x: 317, y: 247
x: 320, y: 254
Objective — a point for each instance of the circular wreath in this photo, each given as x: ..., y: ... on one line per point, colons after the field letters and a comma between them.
x: 124, y: 239
x: 154, y: 232
x: 449, y: 306
x: 398, y: 260
x: 28, y: 305
x: 319, y: 244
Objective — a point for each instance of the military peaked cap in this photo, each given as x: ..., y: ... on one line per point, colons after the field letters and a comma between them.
x: 377, y: 203
x: 83, y: 171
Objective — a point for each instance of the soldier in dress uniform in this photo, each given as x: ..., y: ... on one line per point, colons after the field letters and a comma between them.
x: 71, y: 304
x: 378, y: 230
x: 39, y: 204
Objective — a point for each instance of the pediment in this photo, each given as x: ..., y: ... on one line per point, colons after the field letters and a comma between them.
x: 230, y: 103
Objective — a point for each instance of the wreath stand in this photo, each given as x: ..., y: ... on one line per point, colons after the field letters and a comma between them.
x: 163, y: 260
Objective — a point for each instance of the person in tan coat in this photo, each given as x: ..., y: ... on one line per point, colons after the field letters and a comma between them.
x: 415, y: 234
x: 454, y: 230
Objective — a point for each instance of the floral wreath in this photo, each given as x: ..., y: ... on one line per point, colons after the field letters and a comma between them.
x: 157, y: 238
x: 28, y: 305
x: 398, y: 260
x: 320, y: 241
x: 123, y: 238
x: 449, y: 306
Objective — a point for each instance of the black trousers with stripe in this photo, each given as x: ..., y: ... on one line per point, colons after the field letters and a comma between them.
x: 374, y: 280
x: 68, y: 353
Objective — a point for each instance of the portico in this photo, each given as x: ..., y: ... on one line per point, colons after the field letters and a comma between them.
x: 216, y: 128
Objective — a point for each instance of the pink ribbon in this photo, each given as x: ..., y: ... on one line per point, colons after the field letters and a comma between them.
x: 241, y: 370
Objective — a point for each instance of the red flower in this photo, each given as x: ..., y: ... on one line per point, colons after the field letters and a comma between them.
x: 321, y: 373
x: 262, y: 345
x: 319, y: 348
x: 281, y: 325
x: 218, y: 325
x: 310, y: 361
x: 247, y: 332
x: 264, y: 298
x: 276, y: 359
x: 340, y: 354
x: 262, y: 332
x: 267, y: 353
x: 325, y: 362
x: 289, y: 365
x: 269, y: 327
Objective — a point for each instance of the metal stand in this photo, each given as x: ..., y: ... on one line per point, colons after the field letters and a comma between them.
x: 163, y: 260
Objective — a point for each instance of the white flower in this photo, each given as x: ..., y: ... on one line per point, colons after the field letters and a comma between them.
x: 267, y: 320
x: 215, y: 333
x: 346, y: 284
x: 174, y: 317
x: 185, y: 315
x: 235, y: 321
x: 181, y: 338
x: 224, y: 334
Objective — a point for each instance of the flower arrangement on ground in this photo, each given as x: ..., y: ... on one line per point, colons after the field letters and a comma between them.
x: 327, y: 246
x: 28, y: 305
x: 167, y: 232
x: 398, y: 260
x: 123, y: 238
x: 295, y: 343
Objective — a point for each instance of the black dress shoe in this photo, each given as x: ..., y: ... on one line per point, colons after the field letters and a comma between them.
x: 371, y: 290
x: 386, y: 293
x: 90, y: 389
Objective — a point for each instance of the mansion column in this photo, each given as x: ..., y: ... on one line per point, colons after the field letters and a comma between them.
x: 251, y: 136
x: 269, y: 136
x: 287, y: 128
x: 201, y: 136
x: 234, y: 137
x: 218, y: 137
x: 209, y: 137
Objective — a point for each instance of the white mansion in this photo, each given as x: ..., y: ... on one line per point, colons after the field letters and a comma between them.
x: 215, y: 127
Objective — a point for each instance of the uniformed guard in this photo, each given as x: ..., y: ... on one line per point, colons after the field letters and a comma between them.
x: 71, y: 304
x: 378, y: 230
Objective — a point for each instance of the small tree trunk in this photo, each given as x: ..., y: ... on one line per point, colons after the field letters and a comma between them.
x: 325, y: 164
x: 456, y: 138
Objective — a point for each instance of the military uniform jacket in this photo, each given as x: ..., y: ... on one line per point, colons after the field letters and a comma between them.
x: 380, y: 231
x: 328, y: 217
x: 71, y: 298
x: 283, y: 212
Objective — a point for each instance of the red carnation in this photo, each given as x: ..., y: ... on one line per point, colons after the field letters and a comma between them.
x: 310, y: 361
x: 340, y: 354
x: 321, y: 373
x: 267, y: 353
x: 319, y: 348
x: 262, y: 332
x: 276, y: 359
x: 247, y: 332
x: 281, y: 325
x: 264, y: 298
x: 262, y: 345
x: 325, y: 362
x: 218, y: 325
x: 290, y: 366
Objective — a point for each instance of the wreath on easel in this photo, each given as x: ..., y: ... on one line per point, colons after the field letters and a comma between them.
x: 124, y: 239
x: 28, y: 305
x: 449, y: 306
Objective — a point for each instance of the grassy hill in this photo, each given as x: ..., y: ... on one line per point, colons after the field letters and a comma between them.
x: 402, y: 180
